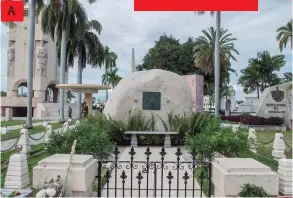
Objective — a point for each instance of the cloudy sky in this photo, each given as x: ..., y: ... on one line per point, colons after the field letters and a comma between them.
x: 124, y: 29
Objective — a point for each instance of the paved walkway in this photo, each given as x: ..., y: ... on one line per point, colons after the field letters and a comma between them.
x: 149, y: 183
x: 21, y: 125
x: 8, y: 143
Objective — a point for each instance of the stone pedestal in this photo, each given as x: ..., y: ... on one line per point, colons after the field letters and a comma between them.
x: 167, y: 143
x: 252, y: 141
x: 285, y: 176
x: 279, y: 147
x: 17, y: 172
x: 80, y: 176
x: 24, y: 141
x: 230, y: 174
x: 133, y: 140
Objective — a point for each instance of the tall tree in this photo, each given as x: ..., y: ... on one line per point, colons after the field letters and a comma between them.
x: 108, y: 60
x: 66, y: 20
x: 86, y: 46
x: 250, y: 79
x: 113, y: 77
x: 217, y: 59
x: 284, y: 35
x: 260, y: 72
x: 169, y: 54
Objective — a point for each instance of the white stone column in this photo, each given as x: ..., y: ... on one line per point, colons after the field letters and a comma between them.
x: 17, y: 172
x: 278, y: 147
x: 8, y: 113
x: 133, y: 140
x: 24, y: 141
x: 65, y: 127
x: 49, y: 129
x: 285, y: 176
x: 252, y: 141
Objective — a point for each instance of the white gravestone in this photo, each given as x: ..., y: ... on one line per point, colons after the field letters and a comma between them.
x: 285, y: 176
x: 17, y: 172
x: 24, y: 141
x: 278, y: 147
x: 252, y: 141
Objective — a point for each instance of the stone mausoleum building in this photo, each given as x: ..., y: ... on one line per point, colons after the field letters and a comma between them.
x: 45, y: 74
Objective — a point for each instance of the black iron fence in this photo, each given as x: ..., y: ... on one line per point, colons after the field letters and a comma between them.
x: 153, y: 178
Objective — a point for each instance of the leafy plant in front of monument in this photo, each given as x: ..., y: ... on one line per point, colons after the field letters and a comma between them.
x: 91, y: 135
x: 250, y: 190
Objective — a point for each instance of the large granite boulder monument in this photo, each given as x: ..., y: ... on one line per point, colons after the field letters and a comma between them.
x: 156, y: 92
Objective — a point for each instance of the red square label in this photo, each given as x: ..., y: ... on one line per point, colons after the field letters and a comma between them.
x: 12, y: 11
x: 195, y: 5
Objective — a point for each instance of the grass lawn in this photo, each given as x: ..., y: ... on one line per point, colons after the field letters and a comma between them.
x: 32, y: 161
x: 264, y: 152
x: 16, y: 122
x: 37, y: 129
x: 205, y: 183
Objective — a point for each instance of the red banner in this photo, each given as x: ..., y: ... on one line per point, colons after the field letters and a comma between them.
x: 195, y: 5
x: 12, y: 11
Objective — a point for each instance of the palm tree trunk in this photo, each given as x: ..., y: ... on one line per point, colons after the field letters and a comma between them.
x: 62, y: 74
x: 217, y: 63
x: 106, y: 83
x: 257, y: 92
x: 31, y: 48
x: 79, y: 81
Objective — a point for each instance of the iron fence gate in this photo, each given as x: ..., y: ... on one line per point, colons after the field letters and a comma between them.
x: 148, y: 178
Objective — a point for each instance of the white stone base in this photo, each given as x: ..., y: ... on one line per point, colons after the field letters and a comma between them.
x: 278, y: 154
x: 17, y: 172
x: 285, y: 176
x: 230, y: 174
x: 80, y: 177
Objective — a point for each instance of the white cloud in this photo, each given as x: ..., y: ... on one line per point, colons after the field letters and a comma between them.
x: 124, y: 29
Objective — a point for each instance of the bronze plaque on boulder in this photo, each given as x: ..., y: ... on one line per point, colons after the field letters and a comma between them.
x: 151, y: 101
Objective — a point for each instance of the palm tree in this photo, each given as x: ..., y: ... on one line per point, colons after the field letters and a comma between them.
x: 287, y: 77
x: 66, y: 20
x: 250, y: 79
x: 260, y: 72
x: 268, y: 65
x: 285, y: 35
x: 113, y: 77
x: 86, y: 46
x: 217, y: 59
x: 108, y: 59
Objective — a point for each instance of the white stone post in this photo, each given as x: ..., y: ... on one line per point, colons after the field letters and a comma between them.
x: 167, y: 143
x: 133, y: 140
x: 77, y: 122
x: 24, y: 141
x: 4, y: 130
x: 235, y: 128
x: 65, y: 127
x: 252, y: 141
x: 49, y: 129
x: 17, y: 172
x: 278, y: 147
x: 285, y: 176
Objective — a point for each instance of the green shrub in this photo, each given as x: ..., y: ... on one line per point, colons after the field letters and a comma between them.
x: 223, y: 141
x: 92, y: 139
x: 249, y: 190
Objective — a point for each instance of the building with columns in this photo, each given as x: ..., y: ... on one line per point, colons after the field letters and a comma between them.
x: 45, y: 73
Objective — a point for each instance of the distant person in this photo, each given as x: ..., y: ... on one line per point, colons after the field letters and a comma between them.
x: 69, y: 112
